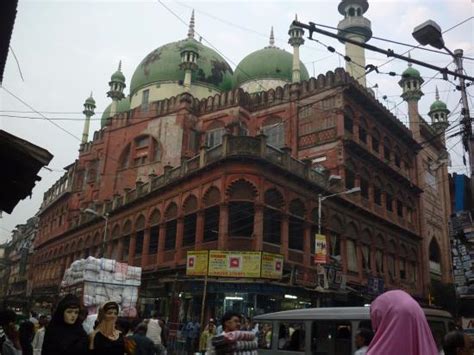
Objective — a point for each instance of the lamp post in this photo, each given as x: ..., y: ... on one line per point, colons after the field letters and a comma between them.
x: 106, y: 218
x: 430, y: 33
x: 321, y: 198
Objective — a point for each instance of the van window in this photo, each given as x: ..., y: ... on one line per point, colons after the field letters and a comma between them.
x: 438, y: 329
x: 329, y: 337
x: 291, y: 336
x: 265, y: 336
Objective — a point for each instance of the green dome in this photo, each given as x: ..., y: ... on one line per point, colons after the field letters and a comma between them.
x: 438, y: 105
x: 122, y: 106
x: 90, y: 101
x: 118, y: 76
x: 267, y: 63
x: 163, y: 64
x: 411, y: 72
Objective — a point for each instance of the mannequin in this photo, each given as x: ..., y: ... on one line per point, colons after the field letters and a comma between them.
x: 106, y: 339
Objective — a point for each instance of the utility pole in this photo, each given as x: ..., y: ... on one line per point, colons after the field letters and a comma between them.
x: 468, y: 140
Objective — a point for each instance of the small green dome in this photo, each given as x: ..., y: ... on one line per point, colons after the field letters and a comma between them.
x: 90, y: 101
x: 118, y: 76
x: 267, y: 63
x: 163, y: 64
x: 411, y: 72
x: 438, y: 105
x: 122, y: 106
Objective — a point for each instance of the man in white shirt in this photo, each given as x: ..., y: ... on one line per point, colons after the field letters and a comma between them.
x: 154, y: 333
x: 362, y: 340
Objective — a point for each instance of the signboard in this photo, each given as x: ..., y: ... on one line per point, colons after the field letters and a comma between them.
x: 234, y: 263
x: 196, y: 263
x: 321, y: 252
x: 272, y: 266
x: 375, y: 285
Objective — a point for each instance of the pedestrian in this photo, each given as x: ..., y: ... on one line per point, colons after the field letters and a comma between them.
x: 27, y: 333
x: 106, y: 338
x: 400, y: 326
x: 209, y: 331
x: 64, y: 335
x: 11, y: 341
x: 154, y: 332
x: 233, y: 340
x: 144, y: 345
x: 191, y: 333
x: 362, y: 340
x: 458, y: 343
x: 39, y: 335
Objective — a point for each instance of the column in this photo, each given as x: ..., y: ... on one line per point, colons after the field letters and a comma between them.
x: 161, y: 244
x: 223, y: 226
x: 258, y: 228
x: 146, y: 246
x: 199, y: 229
x: 284, y: 236
x: 179, y: 240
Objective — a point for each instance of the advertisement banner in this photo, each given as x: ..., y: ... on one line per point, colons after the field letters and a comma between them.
x: 196, y: 262
x: 320, y: 256
x: 272, y: 266
x: 234, y: 263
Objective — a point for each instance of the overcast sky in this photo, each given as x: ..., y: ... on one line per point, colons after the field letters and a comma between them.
x: 66, y: 49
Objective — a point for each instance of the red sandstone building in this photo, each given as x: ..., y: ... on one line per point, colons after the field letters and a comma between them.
x: 239, y: 170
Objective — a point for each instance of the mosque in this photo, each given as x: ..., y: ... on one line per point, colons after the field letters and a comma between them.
x: 195, y: 156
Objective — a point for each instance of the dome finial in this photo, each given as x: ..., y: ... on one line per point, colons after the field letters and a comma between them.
x: 437, y: 93
x: 296, y: 17
x: 120, y: 65
x: 409, y: 63
x: 191, y: 26
x: 91, y: 94
x: 272, y: 38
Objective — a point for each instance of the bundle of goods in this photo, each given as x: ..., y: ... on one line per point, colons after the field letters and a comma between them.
x: 97, y: 281
x: 235, y: 343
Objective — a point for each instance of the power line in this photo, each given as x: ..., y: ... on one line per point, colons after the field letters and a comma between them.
x: 17, y: 63
x: 39, y: 113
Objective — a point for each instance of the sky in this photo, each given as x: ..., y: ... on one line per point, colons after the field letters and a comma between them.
x: 66, y: 49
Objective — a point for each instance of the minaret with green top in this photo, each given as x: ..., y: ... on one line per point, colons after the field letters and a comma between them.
x: 117, y: 85
x: 439, y: 114
x: 296, y: 40
x: 89, y: 106
x: 410, y: 83
x: 189, y: 56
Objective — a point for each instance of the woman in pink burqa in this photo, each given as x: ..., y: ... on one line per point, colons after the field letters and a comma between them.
x: 400, y: 326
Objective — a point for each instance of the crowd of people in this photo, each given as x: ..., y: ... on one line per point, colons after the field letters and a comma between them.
x: 398, y: 322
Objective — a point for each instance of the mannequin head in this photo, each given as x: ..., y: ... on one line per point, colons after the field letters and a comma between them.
x: 70, y: 315
x: 108, y: 312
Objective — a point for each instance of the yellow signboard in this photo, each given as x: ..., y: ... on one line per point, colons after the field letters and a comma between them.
x: 272, y: 266
x: 234, y: 263
x: 321, y: 252
x: 196, y: 263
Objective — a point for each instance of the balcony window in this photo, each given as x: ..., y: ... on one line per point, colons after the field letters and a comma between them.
x: 275, y: 134
x: 378, y: 195
x: 349, y: 178
x: 272, y: 225
x: 211, y: 223
x: 388, y: 202
x: 364, y: 188
x: 399, y: 208
x: 214, y: 137
x: 362, y: 132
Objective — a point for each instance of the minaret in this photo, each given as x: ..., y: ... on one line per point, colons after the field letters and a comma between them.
x: 356, y: 27
x: 117, y: 84
x: 189, y: 56
x: 439, y: 114
x: 411, y: 84
x: 296, y: 40
x: 89, y: 106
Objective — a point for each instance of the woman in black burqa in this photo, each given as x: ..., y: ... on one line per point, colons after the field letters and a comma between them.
x: 64, y: 334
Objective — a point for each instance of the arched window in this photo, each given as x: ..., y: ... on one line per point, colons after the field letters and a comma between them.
x: 378, y: 191
x: 190, y: 217
x: 139, y: 235
x: 351, y: 248
x: 403, y: 262
x: 296, y: 225
x: 375, y: 141
x: 114, y: 240
x: 391, y: 257
x: 214, y: 134
x: 379, y: 248
x: 350, y: 174
x: 351, y: 12
x: 126, y: 232
x: 348, y: 120
x: 272, y: 216
x: 363, y: 130
x: 387, y: 149
x: 124, y: 160
x: 155, y: 218
x: 400, y: 206
x: 241, y: 209
x: 397, y: 157
x: 389, y: 198
x: 171, y: 216
x: 366, y: 250
x: 274, y: 129
x: 435, y: 254
x: 211, y: 201
x: 334, y: 238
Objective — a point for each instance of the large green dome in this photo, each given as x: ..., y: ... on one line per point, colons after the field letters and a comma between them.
x: 438, y: 105
x: 163, y: 64
x: 267, y: 63
x: 411, y: 72
x: 122, y: 106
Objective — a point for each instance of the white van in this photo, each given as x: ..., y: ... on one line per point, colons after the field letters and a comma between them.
x: 327, y: 331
